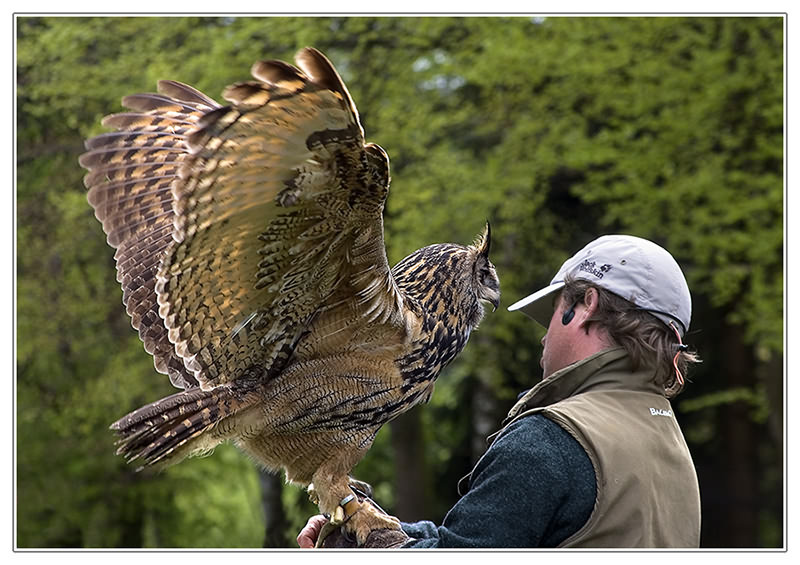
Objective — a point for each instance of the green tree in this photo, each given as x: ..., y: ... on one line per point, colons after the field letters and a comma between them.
x: 554, y: 129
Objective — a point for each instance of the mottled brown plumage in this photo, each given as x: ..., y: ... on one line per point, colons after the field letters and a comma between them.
x: 250, y: 251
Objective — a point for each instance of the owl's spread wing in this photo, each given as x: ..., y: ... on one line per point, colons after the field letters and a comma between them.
x: 277, y: 213
x: 130, y: 174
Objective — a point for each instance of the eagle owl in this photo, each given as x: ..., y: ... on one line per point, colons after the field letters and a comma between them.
x: 249, y: 246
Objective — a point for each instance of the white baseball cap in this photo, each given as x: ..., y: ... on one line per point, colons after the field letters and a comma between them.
x: 633, y: 268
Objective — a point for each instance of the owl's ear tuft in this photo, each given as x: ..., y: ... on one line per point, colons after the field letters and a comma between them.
x: 484, y: 242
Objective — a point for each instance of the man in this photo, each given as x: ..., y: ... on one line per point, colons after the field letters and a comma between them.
x: 592, y: 456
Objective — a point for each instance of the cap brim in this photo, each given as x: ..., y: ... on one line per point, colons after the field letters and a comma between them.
x: 539, y: 305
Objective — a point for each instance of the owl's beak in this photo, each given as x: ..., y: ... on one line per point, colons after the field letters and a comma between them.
x: 494, y: 300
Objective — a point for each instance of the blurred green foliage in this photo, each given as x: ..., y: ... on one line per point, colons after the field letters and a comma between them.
x: 555, y: 129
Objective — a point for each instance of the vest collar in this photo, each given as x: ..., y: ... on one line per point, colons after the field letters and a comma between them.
x: 609, y: 369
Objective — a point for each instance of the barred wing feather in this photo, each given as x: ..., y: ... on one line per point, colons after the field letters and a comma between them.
x: 277, y: 208
x: 131, y: 171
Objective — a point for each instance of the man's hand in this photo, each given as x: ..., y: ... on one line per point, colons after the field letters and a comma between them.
x: 307, y: 537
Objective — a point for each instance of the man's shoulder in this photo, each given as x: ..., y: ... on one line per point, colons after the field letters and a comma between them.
x: 537, y: 435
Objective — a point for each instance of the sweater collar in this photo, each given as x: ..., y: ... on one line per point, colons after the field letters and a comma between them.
x: 609, y: 369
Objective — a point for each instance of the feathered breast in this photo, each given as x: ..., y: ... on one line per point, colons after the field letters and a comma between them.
x: 436, y: 282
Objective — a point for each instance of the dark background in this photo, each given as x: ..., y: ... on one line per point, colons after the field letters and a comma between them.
x: 556, y: 129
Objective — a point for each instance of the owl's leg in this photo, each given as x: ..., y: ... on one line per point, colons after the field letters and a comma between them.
x: 359, y: 487
x: 337, y: 500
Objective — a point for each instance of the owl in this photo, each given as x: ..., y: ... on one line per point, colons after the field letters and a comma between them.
x: 250, y: 249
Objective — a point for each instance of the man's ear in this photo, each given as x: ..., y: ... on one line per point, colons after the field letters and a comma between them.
x: 591, y: 301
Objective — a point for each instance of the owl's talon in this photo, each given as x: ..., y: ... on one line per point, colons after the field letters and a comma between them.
x: 338, y: 516
x: 312, y: 494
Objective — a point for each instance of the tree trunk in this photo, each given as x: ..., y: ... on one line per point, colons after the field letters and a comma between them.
x: 771, y: 374
x: 485, y: 419
x: 410, y: 469
x: 274, y: 516
x: 737, y: 526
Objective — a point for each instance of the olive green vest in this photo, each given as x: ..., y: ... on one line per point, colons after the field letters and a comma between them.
x: 647, y: 491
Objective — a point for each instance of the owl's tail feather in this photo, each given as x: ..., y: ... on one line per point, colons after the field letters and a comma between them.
x: 168, y: 430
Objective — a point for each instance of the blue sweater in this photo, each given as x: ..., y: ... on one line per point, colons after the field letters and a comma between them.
x: 534, y: 487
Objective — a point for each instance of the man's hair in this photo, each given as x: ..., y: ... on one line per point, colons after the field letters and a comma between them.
x: 648, y: 341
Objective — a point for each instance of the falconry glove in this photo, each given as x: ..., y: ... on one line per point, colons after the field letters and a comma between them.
x: 333, y: 535
x: 377, y: 539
